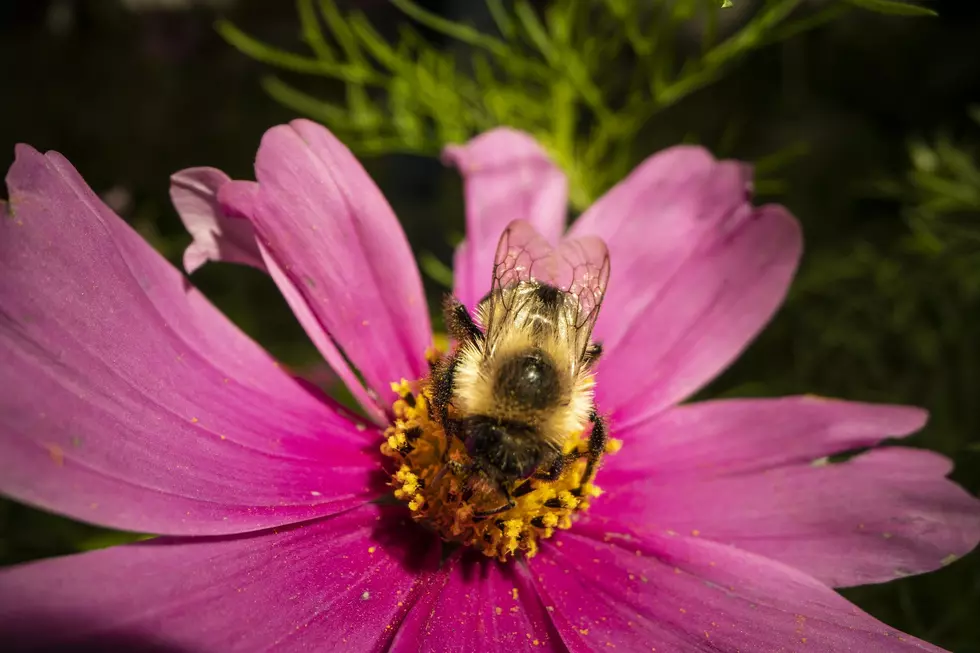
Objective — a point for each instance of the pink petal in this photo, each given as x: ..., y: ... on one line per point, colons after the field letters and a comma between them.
x: 478, y: 604
x: 736, y: 436
x: 128, y: 400
x: 217, y: 235
x: 696, y: 274
x: 882, y: 515
x: 508, y: 177
x: 333, y: 235
x: 238, y: 198
x: 232, y: 204
x: 322, y: 340
x: 342, y: 583
x: 612, y: 589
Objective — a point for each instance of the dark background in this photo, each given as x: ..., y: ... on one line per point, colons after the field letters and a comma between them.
x: 130, y: 96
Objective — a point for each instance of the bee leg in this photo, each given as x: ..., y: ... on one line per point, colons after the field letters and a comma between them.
x: 592, y: 353
x: 597, y: 445
x: 434, y: 364
x: 553, y: 474
x: 557, y: 467
x: 459, y: 322
x: 462, y: 328
x: 442, y: 395
x: 454, y: 467
x: 483, y: 514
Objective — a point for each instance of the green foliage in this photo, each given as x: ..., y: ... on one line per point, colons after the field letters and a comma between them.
x: 941, y: 193
x: 894, y: 7
x: 892, y: 309
x: 882, y: 309
x: 28, y: 534
x: 436, y: 270
x: 583, y: 77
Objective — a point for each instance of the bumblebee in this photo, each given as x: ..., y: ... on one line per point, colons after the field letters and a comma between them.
x: 519, y: 380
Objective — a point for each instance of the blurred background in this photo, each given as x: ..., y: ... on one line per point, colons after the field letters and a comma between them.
x: 862, y: 116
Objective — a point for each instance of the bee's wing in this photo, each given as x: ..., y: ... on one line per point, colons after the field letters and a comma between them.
x: 582, y: 270
x: 579, y: 267
x: 522, y: 255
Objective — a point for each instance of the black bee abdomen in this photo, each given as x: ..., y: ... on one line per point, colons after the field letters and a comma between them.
x: 530, y: 380
x: 511, y: 449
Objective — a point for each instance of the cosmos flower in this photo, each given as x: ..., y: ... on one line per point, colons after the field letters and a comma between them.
x: 129, y: 401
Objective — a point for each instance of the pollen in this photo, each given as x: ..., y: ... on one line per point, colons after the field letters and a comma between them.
x: 430, y: 476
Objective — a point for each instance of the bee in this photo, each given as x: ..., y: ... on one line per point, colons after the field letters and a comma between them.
x: 519, y: 380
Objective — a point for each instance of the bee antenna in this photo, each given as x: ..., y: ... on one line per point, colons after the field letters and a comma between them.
x: 438, y: 476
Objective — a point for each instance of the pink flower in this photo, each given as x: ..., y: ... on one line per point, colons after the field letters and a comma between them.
x: 129, y: 401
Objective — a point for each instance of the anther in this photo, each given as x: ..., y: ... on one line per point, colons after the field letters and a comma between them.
x: 441, y: 487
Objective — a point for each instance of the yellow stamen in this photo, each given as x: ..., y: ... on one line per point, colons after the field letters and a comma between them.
x: 402, y: 388
x: 431, y: 478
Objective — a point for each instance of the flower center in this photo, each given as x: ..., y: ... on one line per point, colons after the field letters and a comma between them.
x: 432, y: 476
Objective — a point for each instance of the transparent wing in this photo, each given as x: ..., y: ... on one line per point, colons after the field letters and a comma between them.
x: 578, y: 267
x: 582, y: 270
x: 522, y: 255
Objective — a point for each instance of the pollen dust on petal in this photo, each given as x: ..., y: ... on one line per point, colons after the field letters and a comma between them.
x: 56, y: 453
